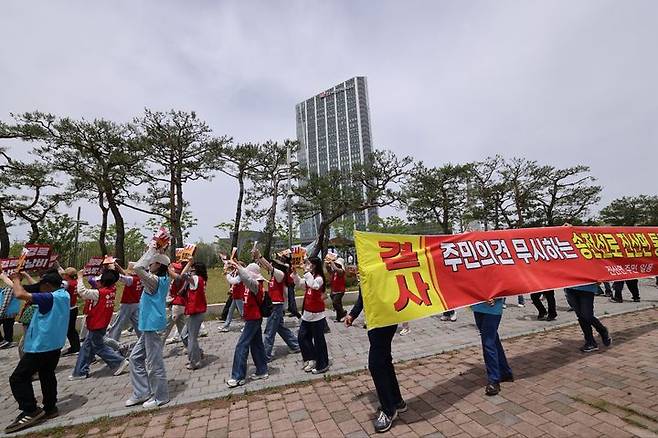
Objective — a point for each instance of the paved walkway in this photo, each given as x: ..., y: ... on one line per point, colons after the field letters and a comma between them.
x: 444, y: 391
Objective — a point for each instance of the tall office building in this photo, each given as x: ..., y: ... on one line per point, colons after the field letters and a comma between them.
x: 333, y: 130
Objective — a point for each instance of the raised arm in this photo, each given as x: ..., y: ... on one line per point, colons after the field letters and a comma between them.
x: 84, y: 292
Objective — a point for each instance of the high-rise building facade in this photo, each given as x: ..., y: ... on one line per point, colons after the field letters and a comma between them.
x: 333, y: 130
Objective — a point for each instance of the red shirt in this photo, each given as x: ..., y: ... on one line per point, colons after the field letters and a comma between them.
x: 252, y: 303
x: 175, y: 292
x: 337, y: 282
x: 196, y: 299
x: 100, y: 314
x: 276, y: 290
x: 72, y: 290
x: 132, y: 293
x: 238, y: 291
x: 313, y: 301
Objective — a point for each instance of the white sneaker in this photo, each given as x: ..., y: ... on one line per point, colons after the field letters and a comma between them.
x: 74, y: 378
x: 203, y: 331
x: 153, y: 403
x: 134, y: 402
x: 172, y: 340
x: 223, y: 329
x: 404, y: 331
x: 305, y: 364
x: 323, y: 370
x: 255, y: 376
x: 453, y: 317
x: 443, y: 318
x: 309, y: 367
x: 520, y: 305
x: 121, y: 368
x: 232, y: 383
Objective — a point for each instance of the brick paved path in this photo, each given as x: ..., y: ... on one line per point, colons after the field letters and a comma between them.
x: 444, y: 391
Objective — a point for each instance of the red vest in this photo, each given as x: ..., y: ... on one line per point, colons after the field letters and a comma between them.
x: 196, y: 299
x: 131, y: 294
x: 99, y: 315
x: 337, y: 282
x: 313, y: 301
x: 72, y: 290
x: 276, y: 290
x: 252, y: 303
x: 238, y: 291
x: 175, y: 292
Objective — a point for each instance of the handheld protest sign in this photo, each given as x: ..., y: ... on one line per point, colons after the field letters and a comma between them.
x: 186, y: 253
x: 162, y: 238
x: 94, y: 266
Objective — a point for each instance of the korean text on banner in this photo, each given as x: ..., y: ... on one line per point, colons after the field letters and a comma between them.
x: 405, y: 277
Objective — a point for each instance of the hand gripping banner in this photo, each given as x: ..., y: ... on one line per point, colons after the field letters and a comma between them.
x: 406, y: 277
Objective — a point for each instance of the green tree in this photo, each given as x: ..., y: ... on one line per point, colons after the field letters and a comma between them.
x: 391, y: 224
x: 178, y: 148
x: 337, y: 194
x: 639, y: 210
x: 59, y: 232
x: 436, y: 194
x: 520, y: 188
x: 566, y: 194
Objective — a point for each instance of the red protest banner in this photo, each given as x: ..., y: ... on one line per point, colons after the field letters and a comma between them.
x: 94, y: 266
x: 406, y: 277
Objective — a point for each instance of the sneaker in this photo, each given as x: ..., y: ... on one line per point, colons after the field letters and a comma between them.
x: 191, y: 367
x: 70, y: 352
x: 223, y: 329
x: 172, y: 340
x: 636, y: 300
x: 153, y: 403
x: 4, y: 344
x: 320, y: 371
x: 404, y: 331
x: 443, y: 318
x: 134, y: 402
x: 541, y: 317
x: 73, y: 378
x: 492, y: 389
x: 255, y: 376
x: 121, y: 368
x: 520, y: 305
x: 203, y: 331
x: 504, y: 306
x: 614, y: 300
x: 294, y: 350
x: 607, y: 340
x: 25, y: 420
x: 232, y: 383
x: 508, y: 378
x: 589, y: 348
x: 453, y: 317
x: 52, y: 413
x: 551, y: 317
x: 383, y: 422
x: 309, y: 367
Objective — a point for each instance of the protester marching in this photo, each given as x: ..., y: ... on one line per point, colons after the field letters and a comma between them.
x: 158, y: 294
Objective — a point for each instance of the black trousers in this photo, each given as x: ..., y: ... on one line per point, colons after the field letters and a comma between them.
x: 583, y: 304
x: 337, y: 301
x: 618, y: 286
x: 380, y: 364
x: 550, y: 302
x: 292, y: 303
x: 72, y: 334
x: 21, y: 380
x: 312, y: 343
x: 7, y: 329
x: 227, y: 306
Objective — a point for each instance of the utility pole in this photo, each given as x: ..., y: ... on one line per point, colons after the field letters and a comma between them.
x: 77, y: 232
x: 289, y: 163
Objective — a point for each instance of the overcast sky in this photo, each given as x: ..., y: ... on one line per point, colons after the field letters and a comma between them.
x: 561, y: 82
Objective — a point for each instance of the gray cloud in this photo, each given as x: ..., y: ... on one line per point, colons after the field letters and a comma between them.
x: 561, y: 82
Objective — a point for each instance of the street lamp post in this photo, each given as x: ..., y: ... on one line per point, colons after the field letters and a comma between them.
x: 289, y: 162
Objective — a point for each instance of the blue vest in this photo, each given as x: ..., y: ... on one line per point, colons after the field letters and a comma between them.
x: 47, y: 332
x: 152, y: 316
x: 496, y: 309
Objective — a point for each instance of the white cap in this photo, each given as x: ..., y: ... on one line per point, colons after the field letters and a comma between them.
x: 160, y: 258
x: 254, y: 270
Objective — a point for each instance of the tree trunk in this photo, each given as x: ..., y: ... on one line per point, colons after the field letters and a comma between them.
x: 270, y: 224
x: 238, y: 211
x: 178, y: 230
x: 319, y: 249
x: 4, y: 237
x: 103, y: 230
x: 34, y: 233
x: 119, y: 248
x: 173, y: 222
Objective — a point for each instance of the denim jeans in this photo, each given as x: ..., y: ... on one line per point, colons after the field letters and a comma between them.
x: 275, y: 325
x: 147, y: 369
x: 179, y: 322
x: 582, y: 303
x: 95, y: 345
x: 239, y: 304
x: 492, y: 349
x: 191, y: 341
x: 251, y: 339
x: 312, y: 343
x: 380, y: 364
x: 128, y: 314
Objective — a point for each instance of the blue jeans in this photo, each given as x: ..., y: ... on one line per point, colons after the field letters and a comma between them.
x: 275, y: 325
x: 492, y: 349
x: 147, y: 369
x: 239, y: 304
x: 312, y: 342
x: 94, y: 344
x: 250, y: 339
